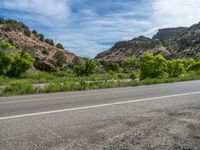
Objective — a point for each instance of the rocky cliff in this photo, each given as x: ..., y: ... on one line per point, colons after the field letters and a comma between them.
x: 171, y: 42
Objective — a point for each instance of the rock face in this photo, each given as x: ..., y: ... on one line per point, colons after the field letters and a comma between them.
x: 166, y: 33
x: 48, y: 57
x: 171, y: 42
x: 135, y: 47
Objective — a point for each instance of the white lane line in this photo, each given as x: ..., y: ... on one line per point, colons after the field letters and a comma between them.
x: 98, y: 106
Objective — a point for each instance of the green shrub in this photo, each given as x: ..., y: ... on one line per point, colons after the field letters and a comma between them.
x: 20, y: 64
x: 87, y: 69
x: 27, y: 32
x: 60, y: 46
x: 19, y: 87
x: 194, y: 67
x: 175, y: 68
x: 13, y: 64
x: 41, y: 37
x: 111, y: 66
x: 45, y: 51
x: 152, y: 66
x: 133, y: 76
x: 130, y: 63
x: 50, y: 42
x: 35, y: 32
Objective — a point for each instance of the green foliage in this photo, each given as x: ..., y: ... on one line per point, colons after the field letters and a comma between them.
x: 20, y: 64
x: 90, y: 66
x: 41, y: 37
x: 194, y: 67
x: 133, y: 75
x: 35, y: 32
x: 13, y: 64
x: 19, y: 87
x: 60, y: 46
x: 6, y: 58
x: 27, y: 32
x: 50, y: 42
x: 111, y: 66
x: 152, y: 66
x: 45, y: 51
x: 87, y: 69
x: 130, y: 63
x: 175, y: 68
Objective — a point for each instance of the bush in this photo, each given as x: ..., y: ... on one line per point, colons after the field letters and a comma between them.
x: 19, y: 87
x: 175, y: 68
x: 111, y: 66
x: 13, y: 64
x: 20, y: 64
x: 41, y: 37
x: 194, y: 67
x: 35, y: 32
x: 27, y: 32
x: 45, y: 51
x: 50, y: 42
x: 152, y: 66
x: 133, y: 76
x: 87, y: 69
x: 130, y: 63
x: 60, y: 46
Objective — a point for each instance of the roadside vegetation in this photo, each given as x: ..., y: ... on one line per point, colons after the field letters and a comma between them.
x: 17, y: 75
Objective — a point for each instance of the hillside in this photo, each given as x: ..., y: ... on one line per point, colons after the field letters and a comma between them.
x: 48, y: 55
x: 171, y: 42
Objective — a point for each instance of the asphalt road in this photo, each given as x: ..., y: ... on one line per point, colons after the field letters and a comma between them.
x: 101, y: 119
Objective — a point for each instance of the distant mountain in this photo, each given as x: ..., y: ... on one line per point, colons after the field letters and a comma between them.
x: 171, y: 42
x: 48, y: 55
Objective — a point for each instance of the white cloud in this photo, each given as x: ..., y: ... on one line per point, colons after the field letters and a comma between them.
x: 46, y: 12
x: 176, y: 12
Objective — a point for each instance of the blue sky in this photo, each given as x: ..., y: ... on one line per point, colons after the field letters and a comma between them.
x: 87, y: 27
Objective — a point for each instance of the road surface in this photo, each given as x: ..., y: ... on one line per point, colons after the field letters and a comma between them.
x: 164, y: 116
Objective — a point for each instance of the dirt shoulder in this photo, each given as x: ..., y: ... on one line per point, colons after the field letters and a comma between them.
x: 174, y: 128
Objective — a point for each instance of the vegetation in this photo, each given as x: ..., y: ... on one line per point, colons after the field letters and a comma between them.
x: 27, y: 32
x: 41, y: 37
x: 87, y: 69
x: 17, y: 75
x: 60, y: 46
x: 50, y: 42
x: 13, y: 64
x: 152, y: 66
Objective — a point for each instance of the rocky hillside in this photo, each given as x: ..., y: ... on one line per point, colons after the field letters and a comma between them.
x: 172, y: 43
x: 48, y: 55
x: 166, y: 33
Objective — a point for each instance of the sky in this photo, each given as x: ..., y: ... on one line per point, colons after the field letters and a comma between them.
x: 87, y: 27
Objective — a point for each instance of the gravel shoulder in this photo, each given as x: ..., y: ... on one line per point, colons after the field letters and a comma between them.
x: 172, y: 128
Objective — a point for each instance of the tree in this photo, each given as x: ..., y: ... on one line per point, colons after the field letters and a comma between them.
x: 175, y: 68
x: 12, y: 64
x: 20, y: 64
x: 194, y: 67
x: 60, y: 46
x: 87, y: 69
x: 50, y: 41
x: 152, y: 66
x: 130, y: 63
x: 90, y: 66
x: 5, y: 58
x: 111, y: 66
